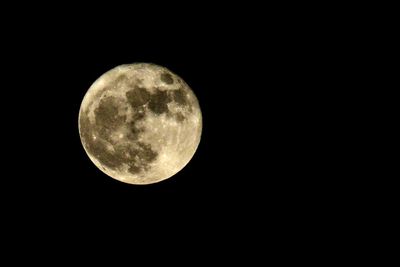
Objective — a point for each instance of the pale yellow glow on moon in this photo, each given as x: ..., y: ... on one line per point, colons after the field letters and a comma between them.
x: 140, y: 123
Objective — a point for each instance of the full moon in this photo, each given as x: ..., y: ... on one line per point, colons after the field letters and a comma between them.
x: 140, y: 123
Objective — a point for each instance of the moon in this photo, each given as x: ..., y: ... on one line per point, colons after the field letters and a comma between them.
x: 140, y: 123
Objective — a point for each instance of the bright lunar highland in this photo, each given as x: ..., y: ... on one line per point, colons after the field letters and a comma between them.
x: 140, y: 123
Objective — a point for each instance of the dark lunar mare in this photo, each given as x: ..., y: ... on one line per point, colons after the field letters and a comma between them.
x: 158, y: 101
x: 107, y: 119
x: 166, y: 78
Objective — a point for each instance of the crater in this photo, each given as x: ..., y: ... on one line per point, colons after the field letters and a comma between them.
x: 180, y: 117
x: 166, y: 78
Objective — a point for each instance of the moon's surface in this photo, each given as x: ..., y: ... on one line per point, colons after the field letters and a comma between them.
x: 140, y: 123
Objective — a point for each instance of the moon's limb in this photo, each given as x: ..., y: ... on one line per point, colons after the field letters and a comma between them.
x: 140, y: 123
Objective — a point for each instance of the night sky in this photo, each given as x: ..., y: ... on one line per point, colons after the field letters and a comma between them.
x: 257, y: 166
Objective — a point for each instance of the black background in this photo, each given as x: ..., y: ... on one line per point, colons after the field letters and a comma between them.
x: 257, y: 171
